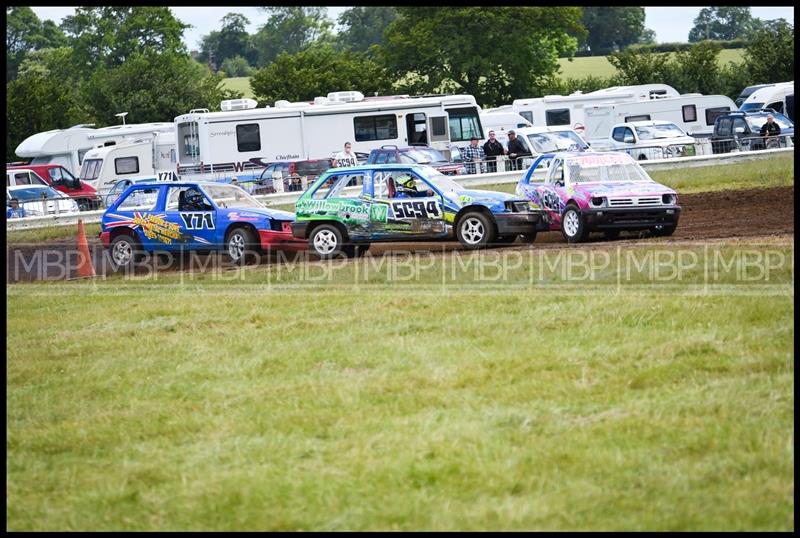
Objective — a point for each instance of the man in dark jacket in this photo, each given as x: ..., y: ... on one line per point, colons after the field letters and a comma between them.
x: 516, y: 150
x: 493, y: 149
x: 770, y: 131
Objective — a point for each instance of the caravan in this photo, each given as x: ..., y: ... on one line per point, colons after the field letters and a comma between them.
x: 692, y: 112
x: 68, y: 147
x: 552, y: 110
x: 243, y: 139
x: 779, y: 97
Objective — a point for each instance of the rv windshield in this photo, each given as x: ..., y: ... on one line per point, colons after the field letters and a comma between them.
x: 229, y: 196
x: 422, y: 156
x: 558, y: 141
x: 751, y: 106
x: 90, y: 169
x: 604, y: 169
x: 655, y: 132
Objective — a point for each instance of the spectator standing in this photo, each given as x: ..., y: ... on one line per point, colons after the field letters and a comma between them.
x: 493, y: 149
x: 516, y: 150
x: 474, y: 154
x: 770, y: 131
x: 346, y: 157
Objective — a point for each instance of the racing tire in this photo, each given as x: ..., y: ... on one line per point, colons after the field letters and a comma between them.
x: 125, y: 252
x: 664, y: 231
x: 240, y: 246
x: 528, y: 238
x: 474, y: 230
x: 573, y: 226
x: 326, y: 242
x: 611, y: 234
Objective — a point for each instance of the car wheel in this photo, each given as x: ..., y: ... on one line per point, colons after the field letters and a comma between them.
x: 125, y: 251
x: 474, y: 230
x: 529, y: 238
x: 573, y: 226
x: 611, y: 234
x: 326, y: 241
x: 240, y: 246
x: 665, y: 230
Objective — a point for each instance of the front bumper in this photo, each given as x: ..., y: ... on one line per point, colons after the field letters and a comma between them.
x: 299, y: 229
x: 271, y: 239
x: 630, y: 218
x: 517, y: 223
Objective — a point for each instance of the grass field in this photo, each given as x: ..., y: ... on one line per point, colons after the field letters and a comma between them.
x: 229, y: 404
x: 597, y: 66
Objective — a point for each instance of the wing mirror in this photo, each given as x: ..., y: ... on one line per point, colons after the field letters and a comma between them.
x: 739, y: 130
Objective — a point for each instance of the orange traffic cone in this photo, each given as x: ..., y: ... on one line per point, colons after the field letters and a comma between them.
x: 85, y: 267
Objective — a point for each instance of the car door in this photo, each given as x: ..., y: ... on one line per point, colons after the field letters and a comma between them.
x: 395, y: 217
x: 551, y: 193
x: 190, y: 226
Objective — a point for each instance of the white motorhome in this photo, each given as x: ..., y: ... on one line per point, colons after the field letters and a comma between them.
x: 552, y: 110
x: 779, y: 97
x: 692, y: 112
x: 151, y: 157
x: 501, y: 120
x: 68, y: 147
x: 243, y: 139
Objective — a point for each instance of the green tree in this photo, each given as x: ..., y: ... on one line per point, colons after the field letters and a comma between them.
x: 496, y: 55
x: 291, y: 30
x: 316, y: 71
x: 612, y: 28
x: 153, y: 87
x: 232, y: 40
x: 236, y: 67
x: 638, y: 67
x: 44, y: 96
x: 26, y: 33
x: 696, y: 70
x: 724, y: 23
x: 363, y: 26
x: 648, y: 37
x: 110, y: 35
x: 769, y: 55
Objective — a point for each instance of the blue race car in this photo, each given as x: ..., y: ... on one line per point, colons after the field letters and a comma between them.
x: 197, y: 215
x: 347, y: 208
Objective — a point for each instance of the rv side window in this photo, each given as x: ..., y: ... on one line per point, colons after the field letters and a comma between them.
x: 641, y: 117
x: 713, y: 113
x: 375, y: 127
x: 776, y: 106
x: 91, y: 169
x: 248, y: 137
x: 439, y: 126
x: 126, y: 165
x: 528, y: 115
x: 557, y: 117
x: 464, y: 124
x: 689, y: 113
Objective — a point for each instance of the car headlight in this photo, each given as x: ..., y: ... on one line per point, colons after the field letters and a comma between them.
x: 598, y: 201
x: 669, y: 199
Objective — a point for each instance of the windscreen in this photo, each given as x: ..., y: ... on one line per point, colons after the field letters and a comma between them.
x: 422, y: 156
x: 656, y: 132
x: 609, y: 168
x: 756, y: 122
x: 229, y: 196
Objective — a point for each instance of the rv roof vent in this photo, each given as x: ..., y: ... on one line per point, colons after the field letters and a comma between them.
x: 237, y: 104
x: 345, y: 97
x: 283, y: 103
x: 320, y: 100
x: 198, y: 110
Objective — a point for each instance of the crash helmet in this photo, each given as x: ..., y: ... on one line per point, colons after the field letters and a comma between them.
x: 406, y: 183
x: 194, y: 198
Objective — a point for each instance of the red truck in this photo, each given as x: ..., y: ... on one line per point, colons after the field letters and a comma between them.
x: 61, y: 179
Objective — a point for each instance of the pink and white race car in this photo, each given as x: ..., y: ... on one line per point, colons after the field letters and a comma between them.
x: 603, y: 191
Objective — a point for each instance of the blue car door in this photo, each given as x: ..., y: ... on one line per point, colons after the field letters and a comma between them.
x: 191, y: 218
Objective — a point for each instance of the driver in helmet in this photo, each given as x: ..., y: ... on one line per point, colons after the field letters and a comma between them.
x: 195, y: 201
x: 407, y: 188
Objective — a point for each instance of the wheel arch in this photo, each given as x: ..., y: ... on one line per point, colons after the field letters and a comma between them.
x: 316, y: 223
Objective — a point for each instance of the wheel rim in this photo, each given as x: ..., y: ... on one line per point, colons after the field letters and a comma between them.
x: 472, y: 230
x: 236, y: 246
x: 122, y: 253
x: 325, y: 241
x: 571, y: 223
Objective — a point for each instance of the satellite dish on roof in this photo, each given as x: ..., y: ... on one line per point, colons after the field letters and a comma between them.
x: 122, y: 115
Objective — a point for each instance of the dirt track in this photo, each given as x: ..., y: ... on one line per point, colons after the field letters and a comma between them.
x: 716, y: 215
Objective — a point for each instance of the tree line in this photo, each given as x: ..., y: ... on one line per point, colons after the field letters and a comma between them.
x: 105, y: 60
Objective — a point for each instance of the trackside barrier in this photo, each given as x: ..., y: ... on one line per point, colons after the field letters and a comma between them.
x: 468, y: 180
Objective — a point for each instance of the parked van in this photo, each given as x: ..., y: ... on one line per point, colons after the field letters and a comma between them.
x: 245, y: 139
x: 60, y: 179
x: 148, y: 157
x: 747, y: 92
x: 779, y: 97
x: 501, y: 120
x: 692, y: 112
x: 68, y: 147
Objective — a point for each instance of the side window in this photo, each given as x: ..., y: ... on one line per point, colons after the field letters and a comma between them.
x: 126, y: 165
x: 641, y: 117
x: 55, y: 174
x: 627, y: 136
x: 185, y: 199
x: 144, y: 199
x: 713, y: 113
x: 776, y: 106
x: 619, y: 134
x: 689, y: 113
x: 556, y: 172
x: 324, y: 189
x: 724, y: 127
x: 528, y: 115
x: 381, y: 158
x: 383, y: 127
x: 739, y: 123
x: 558, y: 116
x: 347, y: 186
x: 22, y: 178
x: 248, y: 137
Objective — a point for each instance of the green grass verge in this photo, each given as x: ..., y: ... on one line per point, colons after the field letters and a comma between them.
x: 40, y: 235
x: 218, y: 404
x: 239, y: 84
x: 598, y: 66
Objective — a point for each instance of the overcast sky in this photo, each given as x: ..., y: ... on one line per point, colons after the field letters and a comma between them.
x: 669, y: 23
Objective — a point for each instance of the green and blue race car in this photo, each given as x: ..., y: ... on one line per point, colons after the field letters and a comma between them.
x: 346, y: 209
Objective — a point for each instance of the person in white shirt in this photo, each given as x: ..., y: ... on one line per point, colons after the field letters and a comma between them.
x: 346, y: 157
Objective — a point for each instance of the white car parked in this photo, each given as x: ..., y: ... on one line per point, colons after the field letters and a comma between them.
x: 645, y: 140
x: 40, y: 200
